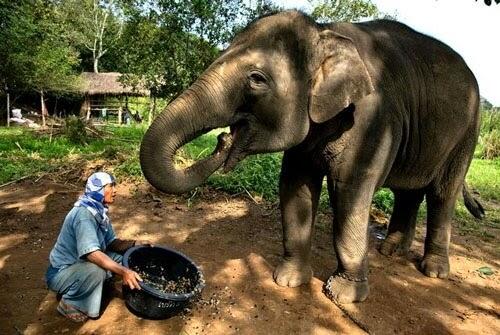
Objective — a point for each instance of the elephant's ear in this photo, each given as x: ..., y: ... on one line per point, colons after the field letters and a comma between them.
x: 340, y: 80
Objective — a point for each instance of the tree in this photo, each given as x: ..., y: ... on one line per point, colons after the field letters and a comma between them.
x: 36, y: 54
x: 343, y: 10
x: 485, y: 104
x: 94, y: 25
x: 169, y: 43
x: 260, y: 8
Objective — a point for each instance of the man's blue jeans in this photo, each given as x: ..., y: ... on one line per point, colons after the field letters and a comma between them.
x: 80, y: 285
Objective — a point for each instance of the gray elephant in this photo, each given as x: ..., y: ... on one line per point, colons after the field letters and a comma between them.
x: 367, y: 105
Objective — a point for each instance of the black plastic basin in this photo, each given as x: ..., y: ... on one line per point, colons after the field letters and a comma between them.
x: 165, y: 264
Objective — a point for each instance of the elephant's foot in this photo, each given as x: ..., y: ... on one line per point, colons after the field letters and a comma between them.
x: 435, y: 266
x: 395, y: 244
x: 345, y: 289
x: 292, y: 275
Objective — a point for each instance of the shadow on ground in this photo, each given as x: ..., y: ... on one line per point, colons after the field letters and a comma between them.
x: 237, y: 244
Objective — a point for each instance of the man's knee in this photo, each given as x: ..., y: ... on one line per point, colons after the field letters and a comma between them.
x: 94, y: 273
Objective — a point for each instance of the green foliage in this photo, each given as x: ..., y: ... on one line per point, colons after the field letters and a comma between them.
x: 169, y: 43
x: 485, y: 104
x: 484, y: 177
x: 490, y: 143
x: 75, y: 130
x: 24, y: 152
x: 384, y: 200
x: 132, y: 134
x: 35, y: 53
x: 489, y: 138
x: 92, y: 26
x: 343, y: 10
x: 469, y: 226
x: 261, y: 8
x: 257, y: 175
x: 129, y: 169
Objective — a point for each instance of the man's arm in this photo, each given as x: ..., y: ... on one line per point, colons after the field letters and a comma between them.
x: 102, y: 260
x: 120, y: 246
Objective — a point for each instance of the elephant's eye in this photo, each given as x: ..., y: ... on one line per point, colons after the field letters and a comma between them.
x: 257, y: 79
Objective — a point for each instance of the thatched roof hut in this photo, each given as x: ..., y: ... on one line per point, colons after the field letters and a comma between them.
x: 107, y: 84
x: 96, y: 86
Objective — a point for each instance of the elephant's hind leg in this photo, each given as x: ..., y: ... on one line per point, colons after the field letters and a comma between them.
x: 403, y: 220
x: 300, y: 188
x: 441, y: 198
x: 437, y: 240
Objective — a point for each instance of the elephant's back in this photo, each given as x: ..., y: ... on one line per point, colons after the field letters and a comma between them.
x: 429, y: 88
x: 399, y: 54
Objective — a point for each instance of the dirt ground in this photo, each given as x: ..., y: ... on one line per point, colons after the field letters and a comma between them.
x: 237, y: 243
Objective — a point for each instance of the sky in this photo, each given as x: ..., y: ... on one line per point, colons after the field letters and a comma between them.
x: 471, y: 28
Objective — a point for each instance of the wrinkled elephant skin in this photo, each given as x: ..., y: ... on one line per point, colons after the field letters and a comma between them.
x: 367, y: 105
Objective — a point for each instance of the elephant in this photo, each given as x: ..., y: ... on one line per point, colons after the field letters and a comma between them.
x: 366, y: 105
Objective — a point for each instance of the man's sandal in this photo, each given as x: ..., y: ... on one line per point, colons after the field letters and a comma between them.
x: 71, y: 312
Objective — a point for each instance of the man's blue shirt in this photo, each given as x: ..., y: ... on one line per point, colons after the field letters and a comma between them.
x: 80, y: 234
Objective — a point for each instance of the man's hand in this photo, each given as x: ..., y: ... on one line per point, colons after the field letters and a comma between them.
x: 131, y: 278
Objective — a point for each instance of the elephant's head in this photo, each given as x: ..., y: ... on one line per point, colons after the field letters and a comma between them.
x: 278, y: 75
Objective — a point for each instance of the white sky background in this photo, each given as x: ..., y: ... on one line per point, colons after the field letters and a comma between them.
x: 471, y: 28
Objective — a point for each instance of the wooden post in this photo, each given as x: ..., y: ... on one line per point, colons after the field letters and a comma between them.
x: 44, y: 109
x: 87, y: 105
x: 8, y: 104
x: 120, y: 109
x: 120, y: 115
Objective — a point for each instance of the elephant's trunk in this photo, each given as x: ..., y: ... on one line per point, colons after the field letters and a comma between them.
x: 193, y: 113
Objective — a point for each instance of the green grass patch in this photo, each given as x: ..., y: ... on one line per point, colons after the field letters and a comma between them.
x: 484, y: 177
x: 467, y: 225
x: 488, y: 146
x: 384, y: 200
x: 24, y: 152
x: 258, y: 175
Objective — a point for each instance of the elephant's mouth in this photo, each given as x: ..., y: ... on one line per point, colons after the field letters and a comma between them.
x: 233, y: 145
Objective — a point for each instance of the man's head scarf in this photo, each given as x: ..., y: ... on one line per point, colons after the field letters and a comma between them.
x: 93, y: 198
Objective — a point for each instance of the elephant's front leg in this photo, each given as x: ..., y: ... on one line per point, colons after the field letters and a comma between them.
x: 351, y: 210
x: 300, y: 187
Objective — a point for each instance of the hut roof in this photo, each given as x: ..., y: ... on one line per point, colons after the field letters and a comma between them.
x: 107, y: 83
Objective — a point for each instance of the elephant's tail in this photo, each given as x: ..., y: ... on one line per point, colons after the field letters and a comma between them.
x: 473, y: 205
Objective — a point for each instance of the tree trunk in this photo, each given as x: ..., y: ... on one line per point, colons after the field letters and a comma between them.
x: 96, y: 64
x: 8, y: 104
x: 44, y: 109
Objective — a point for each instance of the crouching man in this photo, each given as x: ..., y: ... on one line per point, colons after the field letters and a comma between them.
x: 87, y: 252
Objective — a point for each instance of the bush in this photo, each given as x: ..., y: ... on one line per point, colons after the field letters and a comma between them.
x: 384, y: 200
x: 489, y: 138
x: 75, y: 130
x: 490, y: 143
x: 129, y: 169
x: 257, y: 174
